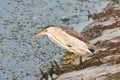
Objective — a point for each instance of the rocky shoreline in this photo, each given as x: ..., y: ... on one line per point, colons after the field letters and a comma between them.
x: 104, y: 64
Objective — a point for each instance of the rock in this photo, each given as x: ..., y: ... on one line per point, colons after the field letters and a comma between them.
x: 91, y: 73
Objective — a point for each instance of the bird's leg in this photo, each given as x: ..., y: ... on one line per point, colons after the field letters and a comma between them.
x: 70, y: 58
x: 81, y: 59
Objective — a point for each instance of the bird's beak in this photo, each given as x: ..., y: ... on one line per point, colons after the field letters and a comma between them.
x: 39, y: 33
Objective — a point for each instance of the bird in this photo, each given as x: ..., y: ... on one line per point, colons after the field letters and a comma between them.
x: 68, y: 39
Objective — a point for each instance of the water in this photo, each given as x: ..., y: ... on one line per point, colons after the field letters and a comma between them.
x: 20, y: 55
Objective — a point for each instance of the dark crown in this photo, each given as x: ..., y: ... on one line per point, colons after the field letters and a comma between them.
x: 48, y: 26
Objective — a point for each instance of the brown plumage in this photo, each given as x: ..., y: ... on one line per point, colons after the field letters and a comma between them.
x: 78, y: 36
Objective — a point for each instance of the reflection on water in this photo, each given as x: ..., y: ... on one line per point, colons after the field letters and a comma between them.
x: 21, y: 56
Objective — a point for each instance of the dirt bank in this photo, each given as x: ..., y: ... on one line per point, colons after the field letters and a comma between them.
x: 104, y: 64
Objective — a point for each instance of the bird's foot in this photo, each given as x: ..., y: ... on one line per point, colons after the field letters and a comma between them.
x: 69, y: 58
x: 67, y: 62
x: 66, y: 57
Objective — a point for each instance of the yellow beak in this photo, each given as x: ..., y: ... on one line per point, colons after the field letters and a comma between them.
x: 39, y: 33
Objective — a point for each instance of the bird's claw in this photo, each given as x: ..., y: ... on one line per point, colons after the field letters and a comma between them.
x: 67, y: 62
x: 66, y: 57
x: 69, y: 58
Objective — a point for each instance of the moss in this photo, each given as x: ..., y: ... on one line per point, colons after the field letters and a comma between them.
x: 115, y: 76
x: 116, y: 1
x: 102, y: 14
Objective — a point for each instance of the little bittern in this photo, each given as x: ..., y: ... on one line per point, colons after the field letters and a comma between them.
x: 68, y: 39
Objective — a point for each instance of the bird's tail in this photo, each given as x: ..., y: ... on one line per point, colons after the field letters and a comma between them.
x: 90, y: 51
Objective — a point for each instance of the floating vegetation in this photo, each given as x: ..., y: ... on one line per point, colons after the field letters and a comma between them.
x: 65, y: 20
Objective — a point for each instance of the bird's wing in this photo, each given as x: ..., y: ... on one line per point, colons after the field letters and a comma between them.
x: 74, y: 34
x: 78, y: 36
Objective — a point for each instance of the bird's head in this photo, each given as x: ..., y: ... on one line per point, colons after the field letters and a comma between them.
x: 43, y: 31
